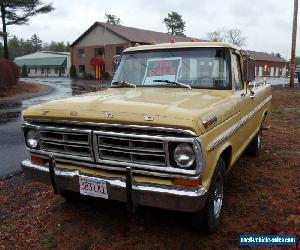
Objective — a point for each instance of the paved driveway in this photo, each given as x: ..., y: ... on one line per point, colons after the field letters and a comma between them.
x: 12, y: 149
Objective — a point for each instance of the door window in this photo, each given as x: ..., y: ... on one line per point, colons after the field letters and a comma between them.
x: 236, y: 76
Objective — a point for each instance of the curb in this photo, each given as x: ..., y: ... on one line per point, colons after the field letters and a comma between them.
x: 48, y: 91
x: 11, y: 175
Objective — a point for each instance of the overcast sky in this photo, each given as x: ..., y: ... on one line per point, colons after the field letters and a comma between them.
x: 267, y: 24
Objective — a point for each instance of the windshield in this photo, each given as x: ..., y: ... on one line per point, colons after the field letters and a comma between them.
x: 196, y: 67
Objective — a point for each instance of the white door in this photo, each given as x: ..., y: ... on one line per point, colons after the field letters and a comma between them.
x: 272, y: 71
x: 260, y: 70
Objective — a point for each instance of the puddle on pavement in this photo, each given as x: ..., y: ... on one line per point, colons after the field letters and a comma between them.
x: 62, y: 88
x: 10, y: 111
x: 10, y: 105
x: 9, y: 116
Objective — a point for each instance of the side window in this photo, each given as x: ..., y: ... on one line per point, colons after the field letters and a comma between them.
x: 236, y: 76
x: 81, y: 68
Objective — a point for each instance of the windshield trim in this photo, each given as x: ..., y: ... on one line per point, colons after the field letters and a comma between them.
x: 228, y: 61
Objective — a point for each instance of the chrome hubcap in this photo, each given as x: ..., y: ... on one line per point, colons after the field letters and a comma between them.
x: 259, y: 140
x: 218, y: 197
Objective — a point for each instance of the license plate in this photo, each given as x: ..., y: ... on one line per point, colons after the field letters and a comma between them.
x: 93, y: 187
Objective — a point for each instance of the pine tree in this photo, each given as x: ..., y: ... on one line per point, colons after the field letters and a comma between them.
x: 175, y: 24
x: 24, y: 71
x: 18, y: 12
x: 36, y: 42
x: 112, y: 19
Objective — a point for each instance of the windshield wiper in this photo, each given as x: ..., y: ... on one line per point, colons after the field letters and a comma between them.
x: 119, y: 84
x: 174, y: 82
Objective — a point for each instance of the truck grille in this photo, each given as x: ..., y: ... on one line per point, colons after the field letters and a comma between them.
x: 131, y: 150
x: 68, y: 143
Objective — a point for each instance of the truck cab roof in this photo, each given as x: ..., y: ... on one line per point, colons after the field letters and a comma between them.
x: 176, y: 45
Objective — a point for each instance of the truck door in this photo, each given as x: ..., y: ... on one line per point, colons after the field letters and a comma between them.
x: 244, y: 104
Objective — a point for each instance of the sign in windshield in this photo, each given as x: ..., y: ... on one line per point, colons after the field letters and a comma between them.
x: 162, y: 69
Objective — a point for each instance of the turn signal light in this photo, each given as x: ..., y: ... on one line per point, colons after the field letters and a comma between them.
x: 37, y: 160
x: 188, y: 183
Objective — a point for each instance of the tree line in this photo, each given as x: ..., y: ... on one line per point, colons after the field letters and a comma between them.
x: 20, y: 47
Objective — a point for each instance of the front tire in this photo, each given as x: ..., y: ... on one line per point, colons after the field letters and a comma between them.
x: 209, y: 218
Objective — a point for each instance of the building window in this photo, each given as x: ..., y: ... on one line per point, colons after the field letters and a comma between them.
x: 99, y: 51
x: 81, y: 68
x: 28, y: 70
x: 81, y: 53
x: 119, y: 50
x: 48, y: 71
x: 62, y: 70
x: 42, y: 71
x: 35, y: 70
x: 56, y: 71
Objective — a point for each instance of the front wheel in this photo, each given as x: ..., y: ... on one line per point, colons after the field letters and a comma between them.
x: 209, y: 218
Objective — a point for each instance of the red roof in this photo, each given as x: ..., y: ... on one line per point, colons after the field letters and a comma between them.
x: 263, y: 56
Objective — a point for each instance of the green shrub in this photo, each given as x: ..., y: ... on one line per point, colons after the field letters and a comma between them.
x: 73, y: 71
x: 24, y: 71
x: 9, y: 75
x: 87, y: 76
x: 106, y: 75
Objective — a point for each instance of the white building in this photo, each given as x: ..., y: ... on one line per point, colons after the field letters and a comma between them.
x: 46, y: 63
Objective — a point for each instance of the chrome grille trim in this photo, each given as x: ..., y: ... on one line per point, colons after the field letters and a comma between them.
x: 179, y: 131
x: 147, y: 168
x: 66, y: 142
x: 150, y: 166
x: 128, y: 147
x: 136, y: 171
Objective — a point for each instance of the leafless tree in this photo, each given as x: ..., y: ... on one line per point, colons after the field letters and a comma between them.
x: 230, y: 35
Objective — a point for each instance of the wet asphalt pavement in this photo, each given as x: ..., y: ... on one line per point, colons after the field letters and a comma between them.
x: 12, y: 148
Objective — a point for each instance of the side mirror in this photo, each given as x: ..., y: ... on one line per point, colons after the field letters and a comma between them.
x: 249, y: 69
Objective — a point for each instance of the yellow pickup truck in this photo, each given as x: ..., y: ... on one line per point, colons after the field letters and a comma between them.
x: 176, y: 118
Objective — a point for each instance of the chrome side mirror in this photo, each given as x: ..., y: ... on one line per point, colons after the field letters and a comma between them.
x: 248, y: 69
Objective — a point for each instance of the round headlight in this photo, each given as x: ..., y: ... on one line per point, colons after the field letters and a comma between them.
x: 32, y: 138
x: 184, y: 155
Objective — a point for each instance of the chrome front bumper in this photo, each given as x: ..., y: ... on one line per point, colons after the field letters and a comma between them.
x: 162, y: 196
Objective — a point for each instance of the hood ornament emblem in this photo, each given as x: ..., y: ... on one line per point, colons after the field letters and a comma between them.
x: 109, y: 115
x: 45, y: 112
x: 148, y: 118
x: 73, y: 113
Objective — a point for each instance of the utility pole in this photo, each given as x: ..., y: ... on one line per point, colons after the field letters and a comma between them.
x: 294, y: 36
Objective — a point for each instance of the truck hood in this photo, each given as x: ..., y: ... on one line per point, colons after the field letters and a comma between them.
x: 166, y: 107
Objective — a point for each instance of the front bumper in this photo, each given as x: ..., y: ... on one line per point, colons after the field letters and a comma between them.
x: 162, y: 196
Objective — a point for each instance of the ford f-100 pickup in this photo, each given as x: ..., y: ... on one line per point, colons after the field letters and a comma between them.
x: 176, y: 118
